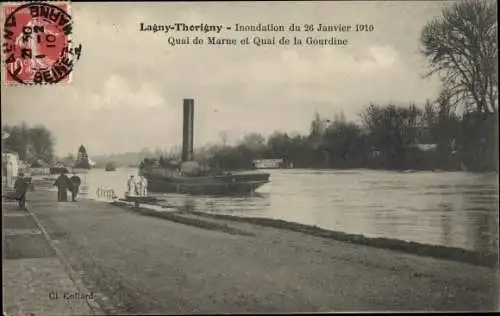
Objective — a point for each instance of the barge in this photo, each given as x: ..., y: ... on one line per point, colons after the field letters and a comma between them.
x: 189, y: 178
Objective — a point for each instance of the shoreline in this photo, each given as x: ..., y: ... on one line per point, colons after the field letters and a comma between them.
x: 150, y: 262
x: 486, y: 259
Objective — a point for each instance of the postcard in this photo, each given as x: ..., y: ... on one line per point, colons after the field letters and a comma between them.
x: 249, y: 157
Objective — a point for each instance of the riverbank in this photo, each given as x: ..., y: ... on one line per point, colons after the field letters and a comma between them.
x: 198, y: 219
x: 140, y: 264
x: 450, y: 211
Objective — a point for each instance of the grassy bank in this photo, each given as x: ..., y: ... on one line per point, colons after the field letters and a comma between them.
x: 183, y: 220
x: 448, y: 253
x: 435, y: 251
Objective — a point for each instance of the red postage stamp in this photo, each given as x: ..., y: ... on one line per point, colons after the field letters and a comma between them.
x: 37, y: 45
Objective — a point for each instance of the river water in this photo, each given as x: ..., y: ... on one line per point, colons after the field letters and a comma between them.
x: 456, y: 209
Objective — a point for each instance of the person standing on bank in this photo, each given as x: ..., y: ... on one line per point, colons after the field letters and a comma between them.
x: 63, y: 184
x: 131, y: 186
x: 21, y: 188
x: 138, y: 187
x: 144, y: 186
x: 76, y: 182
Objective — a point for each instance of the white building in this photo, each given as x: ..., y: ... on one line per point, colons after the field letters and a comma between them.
x: 268, y: 163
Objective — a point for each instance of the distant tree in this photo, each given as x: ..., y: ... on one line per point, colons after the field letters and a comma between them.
x: 429, y: 123
x: 392, y: 130
x: 479, y: 141
x: 18, y: 141
x: 461, y: 46
x: 344, y: 143
x: 42, y: 144
x: 318, y: 126
x: 339, y: 118
x: 223, y: 137
x: 253, y: 141
x: 32, y: 144
x: 299, y: 151
x: 447, y: 125
x: 173, y: 153
x: 441, y: 126
x: 82, y: 158
x: 158, y: 152
x: 278, y: 145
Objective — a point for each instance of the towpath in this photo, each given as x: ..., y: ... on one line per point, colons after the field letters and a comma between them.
x: 32, y: 271
x: 139, y: 264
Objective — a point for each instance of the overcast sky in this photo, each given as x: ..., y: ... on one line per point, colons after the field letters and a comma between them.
x: 128, y: 86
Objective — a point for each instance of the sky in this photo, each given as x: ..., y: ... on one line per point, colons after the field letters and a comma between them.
x: 127, y: 88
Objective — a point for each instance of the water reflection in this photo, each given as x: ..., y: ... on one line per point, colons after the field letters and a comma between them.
x: 448, y: 208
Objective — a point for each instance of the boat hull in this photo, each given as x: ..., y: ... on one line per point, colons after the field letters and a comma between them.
x: 215, y: 185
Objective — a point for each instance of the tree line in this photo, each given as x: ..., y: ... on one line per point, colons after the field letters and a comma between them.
x: 395, y: 137
x: 33, y: 144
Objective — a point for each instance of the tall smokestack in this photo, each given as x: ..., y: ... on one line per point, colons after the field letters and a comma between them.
x: 188, y: 130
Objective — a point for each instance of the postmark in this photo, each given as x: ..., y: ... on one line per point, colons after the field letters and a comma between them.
x: 37, y: 45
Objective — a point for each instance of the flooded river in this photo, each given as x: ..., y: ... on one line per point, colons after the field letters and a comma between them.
x: 454, y: 209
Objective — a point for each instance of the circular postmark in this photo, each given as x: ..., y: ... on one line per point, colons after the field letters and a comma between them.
x: 37, y: 43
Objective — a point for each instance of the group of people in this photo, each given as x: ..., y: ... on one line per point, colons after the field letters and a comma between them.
x: 65, y: 183
x: 137, y: 187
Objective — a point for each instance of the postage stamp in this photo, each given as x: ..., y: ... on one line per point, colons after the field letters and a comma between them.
x: 37, y: 44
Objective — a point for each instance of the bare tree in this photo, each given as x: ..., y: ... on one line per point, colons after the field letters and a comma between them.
x: 318, y: 126
x: 253, y: 141
x: 223, y: 138
x: 461, y: 46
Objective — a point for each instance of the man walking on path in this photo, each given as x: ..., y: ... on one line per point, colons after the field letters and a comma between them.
x: 76, y: 182
x: 21, y: 188
x: 63, y: 184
